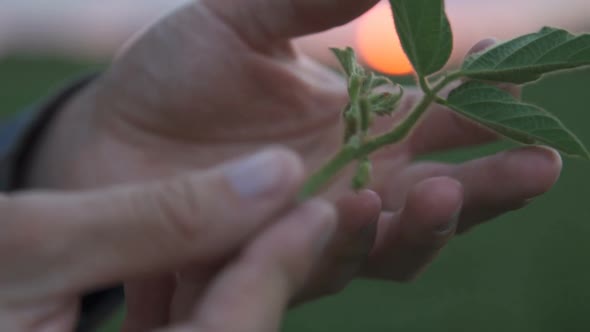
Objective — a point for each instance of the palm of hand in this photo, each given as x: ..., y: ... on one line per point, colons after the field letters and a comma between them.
x: 209, y: 101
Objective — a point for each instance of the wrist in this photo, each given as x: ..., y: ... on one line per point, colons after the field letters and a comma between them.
x: 63, y: 142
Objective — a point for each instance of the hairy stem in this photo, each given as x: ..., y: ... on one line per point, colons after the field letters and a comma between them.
x: 349, y: 154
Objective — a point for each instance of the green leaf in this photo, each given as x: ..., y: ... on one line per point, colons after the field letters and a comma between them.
x: 527, y: 58
x: 424, y: 32
x: 499, y: 111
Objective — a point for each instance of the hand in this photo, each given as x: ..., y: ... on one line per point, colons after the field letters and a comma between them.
x: 56, y: 246
x: 253, y: 292
x: 219, y: 78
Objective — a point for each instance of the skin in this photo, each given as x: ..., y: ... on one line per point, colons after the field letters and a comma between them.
x: 61, y: 245
x: 219, y: 79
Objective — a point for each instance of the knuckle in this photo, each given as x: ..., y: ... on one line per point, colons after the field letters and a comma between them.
x: 175, y: 207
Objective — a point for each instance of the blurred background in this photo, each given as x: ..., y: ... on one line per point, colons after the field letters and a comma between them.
x: 529, y: 271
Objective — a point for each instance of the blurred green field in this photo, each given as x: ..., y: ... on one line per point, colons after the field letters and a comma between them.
x: 529, y: 271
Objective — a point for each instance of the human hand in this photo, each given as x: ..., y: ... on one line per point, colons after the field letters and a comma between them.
x: 56, y: 246
x: 218, y: 79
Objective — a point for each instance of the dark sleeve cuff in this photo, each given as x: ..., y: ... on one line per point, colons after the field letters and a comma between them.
x: 19, y: 136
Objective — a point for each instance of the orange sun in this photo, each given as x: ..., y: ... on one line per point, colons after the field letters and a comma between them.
x: 378, y: 43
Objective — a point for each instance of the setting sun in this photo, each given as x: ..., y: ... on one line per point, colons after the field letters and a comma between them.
x: 378, y: 44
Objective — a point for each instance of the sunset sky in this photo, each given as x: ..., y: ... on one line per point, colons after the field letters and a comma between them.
x: 90, y: 28
x: 373, y: 35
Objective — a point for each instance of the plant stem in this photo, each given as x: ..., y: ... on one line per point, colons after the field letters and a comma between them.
x: 349, y: 154
x: 424, y: 85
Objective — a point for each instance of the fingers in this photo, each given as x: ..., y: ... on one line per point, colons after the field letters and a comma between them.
x: 101, y: 237
x: 349, y: 248
x: 264, y: 22
x: 340, y: 263
x: 408, y: 241
x: 493, y: 185
x: 252, y: 293
x: 506, y: 182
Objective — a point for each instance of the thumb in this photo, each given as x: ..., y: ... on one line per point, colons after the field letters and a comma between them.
x: 262, y: 22
x: 252, y: 292
x: 97, y: 238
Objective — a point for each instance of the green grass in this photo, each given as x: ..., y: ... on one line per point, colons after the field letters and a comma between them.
x: 528, y: 271
x: 25, y: 81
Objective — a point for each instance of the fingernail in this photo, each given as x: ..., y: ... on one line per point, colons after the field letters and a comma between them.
x: 451, y: 226
x: 257, y: 175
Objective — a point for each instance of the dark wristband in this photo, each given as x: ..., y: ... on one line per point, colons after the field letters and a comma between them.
x: 20, y: 135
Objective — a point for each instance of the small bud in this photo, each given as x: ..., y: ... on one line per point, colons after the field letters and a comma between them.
x: 379, y: 81
x: 354, y: 142
x: 363, y: 175
x: 385, y: 103
x: 345, y: 58
x: 348, y: 61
